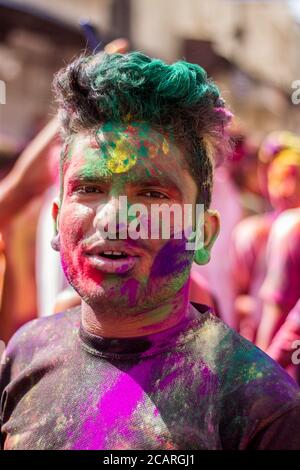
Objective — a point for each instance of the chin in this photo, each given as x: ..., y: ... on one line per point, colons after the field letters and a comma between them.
x: 108, y: 296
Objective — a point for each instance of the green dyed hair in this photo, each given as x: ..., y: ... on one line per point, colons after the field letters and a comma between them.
x: 177, y: 98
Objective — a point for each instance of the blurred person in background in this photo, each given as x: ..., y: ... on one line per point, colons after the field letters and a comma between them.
x: 2, y: 268
x: 250, y: 237
x: 280, y: 292
x: 285, y: 345
x: 8, y: 153
x: 244, y: 168
x: 281, y: 288
x: 25, y: 183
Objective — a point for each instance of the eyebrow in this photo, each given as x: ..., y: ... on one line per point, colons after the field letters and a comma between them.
x: 142, y: 181
x: 89, y: 178
x: 154, y: 181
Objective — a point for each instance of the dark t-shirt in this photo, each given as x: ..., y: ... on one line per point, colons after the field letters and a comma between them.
x: 198, y: 385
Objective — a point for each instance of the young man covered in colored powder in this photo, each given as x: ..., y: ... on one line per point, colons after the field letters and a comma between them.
x: 137, y: 366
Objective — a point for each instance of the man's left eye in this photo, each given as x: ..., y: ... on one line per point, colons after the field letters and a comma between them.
x: 155, y: 195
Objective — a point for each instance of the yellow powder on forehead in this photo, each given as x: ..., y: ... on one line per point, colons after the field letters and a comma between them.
x: 165, y: 146
x: 122, y: 157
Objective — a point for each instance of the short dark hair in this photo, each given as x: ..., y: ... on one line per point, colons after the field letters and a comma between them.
x: 179, y: 98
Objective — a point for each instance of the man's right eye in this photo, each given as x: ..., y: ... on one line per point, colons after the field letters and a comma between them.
x: 88, y: 190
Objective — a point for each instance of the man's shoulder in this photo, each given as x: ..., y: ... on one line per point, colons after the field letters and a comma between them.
x: 38, y: 334
x: 253, y: 390
x: 238, y: 362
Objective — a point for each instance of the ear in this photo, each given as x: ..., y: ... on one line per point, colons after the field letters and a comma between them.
x: 211, y: 228
x: 211, y: 232
x: 55, y: 243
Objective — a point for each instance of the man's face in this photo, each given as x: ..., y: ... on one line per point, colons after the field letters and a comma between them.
x: 148, y: 168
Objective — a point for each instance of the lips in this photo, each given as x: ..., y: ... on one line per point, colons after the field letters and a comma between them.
x: 114, y: 254
x: 111, y: 258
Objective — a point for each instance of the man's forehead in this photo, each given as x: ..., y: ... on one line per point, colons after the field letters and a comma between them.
x: 137, y: 133
x: 93, y: 170
x: 121, y: 148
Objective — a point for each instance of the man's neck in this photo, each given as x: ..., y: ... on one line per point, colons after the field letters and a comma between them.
x: 154, y: 320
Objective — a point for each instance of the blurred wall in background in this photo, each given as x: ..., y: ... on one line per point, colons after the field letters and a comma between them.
x: 28, y: 60
x: 258, y: 40
x: 261, y: 40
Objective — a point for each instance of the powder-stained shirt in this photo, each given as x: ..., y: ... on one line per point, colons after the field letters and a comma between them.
x: 281, y: 285
x: 198, y: 385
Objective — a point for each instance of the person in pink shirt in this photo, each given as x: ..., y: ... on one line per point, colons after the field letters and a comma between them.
x: 281, y: 288
x: 285, y: 346
x: 248, y: 247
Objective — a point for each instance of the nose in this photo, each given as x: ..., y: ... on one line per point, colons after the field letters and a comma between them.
x: 111, y: 219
